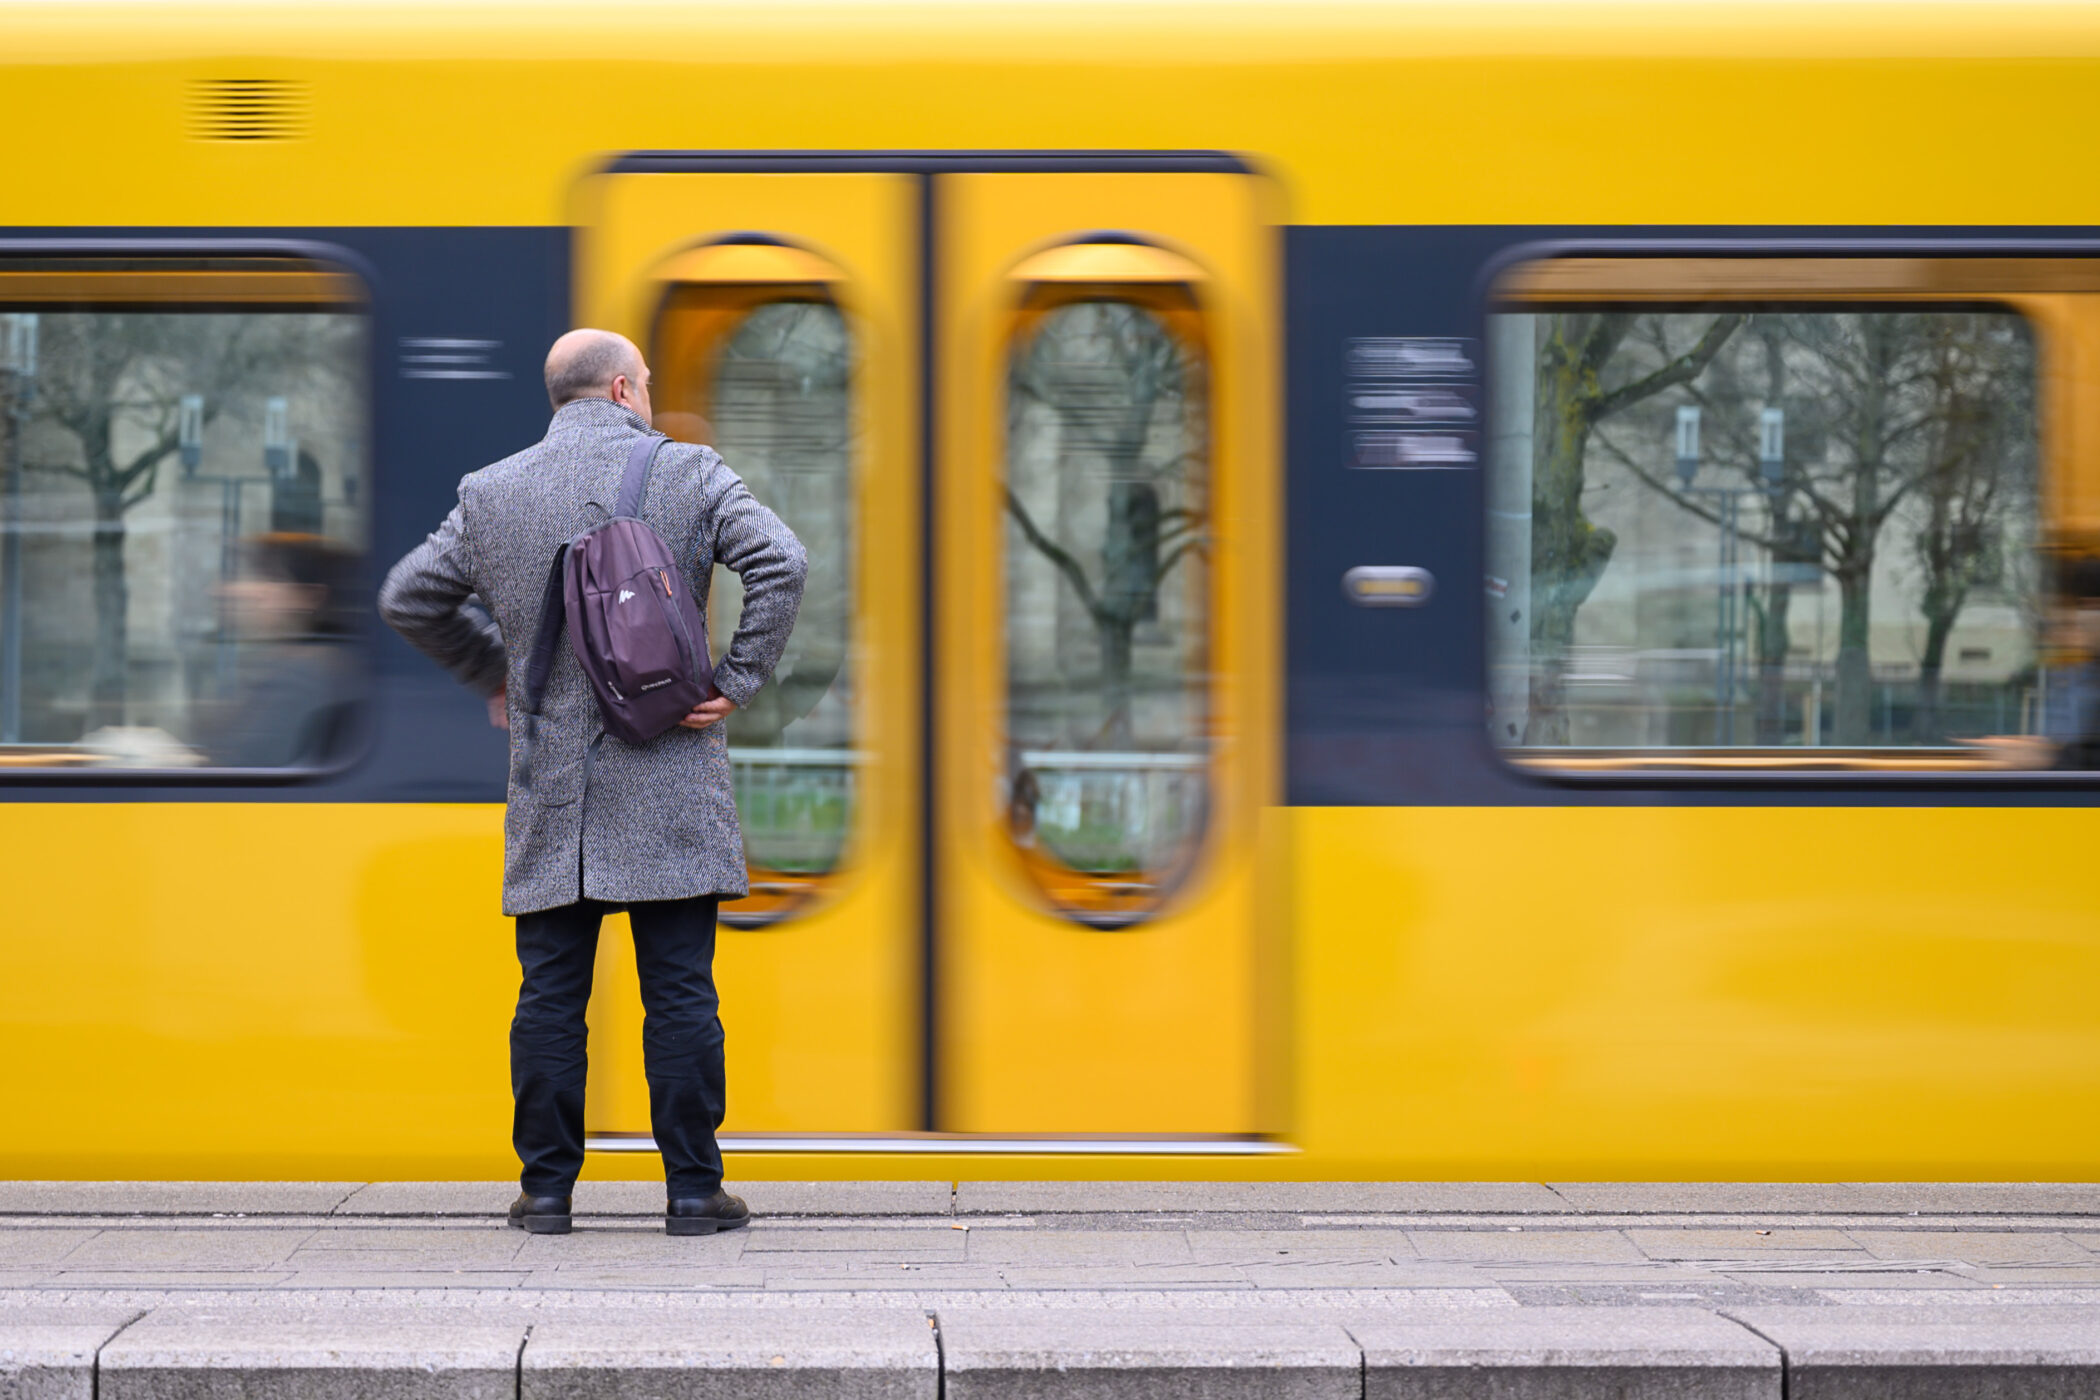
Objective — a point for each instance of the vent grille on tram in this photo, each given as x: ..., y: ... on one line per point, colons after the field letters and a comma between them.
x: 248, y: 109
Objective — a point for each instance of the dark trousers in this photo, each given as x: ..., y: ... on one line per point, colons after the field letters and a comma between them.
x: 674, y: 949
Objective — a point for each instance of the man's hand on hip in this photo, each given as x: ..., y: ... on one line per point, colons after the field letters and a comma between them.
x: 499, y: 709
x: 708, y: 711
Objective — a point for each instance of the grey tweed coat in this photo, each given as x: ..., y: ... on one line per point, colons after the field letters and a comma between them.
x: 602, y: 819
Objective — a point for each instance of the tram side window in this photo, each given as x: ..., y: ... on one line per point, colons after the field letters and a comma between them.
x: 1767, y: 534
x: 182, y: 449
x: 764, y: 373
x: 1107, y: 601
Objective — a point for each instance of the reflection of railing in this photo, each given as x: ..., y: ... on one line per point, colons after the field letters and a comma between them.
x: 1060, y: 759
x: 1113, y: 813
x: 795, y: 804
x: 796, y: 758
x: 1979, y: 757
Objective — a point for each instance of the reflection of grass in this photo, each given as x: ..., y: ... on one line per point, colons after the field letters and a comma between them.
x: 1115, y: 822
x: 798, y: 827
x: 1093, y: 847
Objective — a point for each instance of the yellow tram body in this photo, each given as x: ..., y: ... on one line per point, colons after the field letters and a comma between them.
x: 272, y: 982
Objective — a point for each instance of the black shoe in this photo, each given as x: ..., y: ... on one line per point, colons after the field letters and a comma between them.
x: 540, y: 1215
x: 703, y: 1215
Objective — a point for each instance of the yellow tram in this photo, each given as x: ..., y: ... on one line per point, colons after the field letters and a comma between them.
x: 1401, y: 591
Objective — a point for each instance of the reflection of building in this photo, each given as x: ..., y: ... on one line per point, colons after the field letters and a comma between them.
x: 1673, y: 646
x: 296, y: 498
x: 1646, y: 647
x: 181, y: 531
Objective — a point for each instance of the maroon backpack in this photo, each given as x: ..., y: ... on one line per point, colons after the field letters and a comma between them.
x: 631, y: 620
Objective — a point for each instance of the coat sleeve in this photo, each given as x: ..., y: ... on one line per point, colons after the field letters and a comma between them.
x: 765, y: 554
x: 429, y: 598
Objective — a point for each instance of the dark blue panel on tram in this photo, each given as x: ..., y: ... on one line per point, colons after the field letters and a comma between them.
x: 1386, y: 706
x: 1383, y: 702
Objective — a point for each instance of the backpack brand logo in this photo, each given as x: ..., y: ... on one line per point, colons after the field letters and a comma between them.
x: 625, y: 594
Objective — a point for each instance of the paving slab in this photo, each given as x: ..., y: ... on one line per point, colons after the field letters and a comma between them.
x: 408, y: 1248
x: 1420, y: 1274
x: 1316, y: 1273
x: 2047, y: 1275
x: 892, y: 1267
x: 369, y: 1281
x: 48, y: 1353
x: 318, y: 1354
x: 1567, y: 1353
x: 739, y: 1354
x: 172, y: 1197
x: 161, y: 1280
x: 642, y: 1276
x: 1511, y: 1273
x: 470, y: 1198
x: 872, y: 1286
x: 1970, y: 1297
x: 1105, y: 1247
x: 1706, y: 1197
x: 627, y: 1246
x: 41, y: 1246
x: 1980, y: 1197
x: 1704, y: 1292
x: 1830, y: 1198
x: 1285, y: 1197
x: 1502, y: 1245
x: 1156, y: 1353
x: 175, y: 1247
x: 1975, y: 1246
x: 1212, y: 1244
x: 1927, y: 1353
x: 919, y: 1244
x: 1825, y: 1286
x: 1735, y: 1244
x: 793, y: 1198
x: 1056, y: 1276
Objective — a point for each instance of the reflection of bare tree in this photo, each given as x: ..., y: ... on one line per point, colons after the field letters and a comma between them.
x: 1577, y: 390
x: 114, y: 383
x: 1869, y: 373
x: 1887, y: 412
x: 1119, y: 387
x: 1979, y: 456
x: 784, y: 422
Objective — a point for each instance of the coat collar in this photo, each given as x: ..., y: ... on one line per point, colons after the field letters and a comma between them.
x: 591, y: 413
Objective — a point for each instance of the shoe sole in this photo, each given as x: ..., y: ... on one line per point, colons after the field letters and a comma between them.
x: 701, y: 1225
x: 541, y: 1224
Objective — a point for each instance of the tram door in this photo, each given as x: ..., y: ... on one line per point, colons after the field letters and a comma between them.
x: 1106, y: 635
x: 1035, y: 907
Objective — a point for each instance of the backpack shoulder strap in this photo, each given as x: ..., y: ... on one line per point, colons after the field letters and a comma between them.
x: 634, y: 483
x: 553, y: 615
x: 539, y: 670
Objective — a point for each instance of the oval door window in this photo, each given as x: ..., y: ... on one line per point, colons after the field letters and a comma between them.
x: 1108, y: 599
x: 763, y: 373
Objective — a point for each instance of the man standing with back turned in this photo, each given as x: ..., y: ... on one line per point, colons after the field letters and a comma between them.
x: 594, y: 824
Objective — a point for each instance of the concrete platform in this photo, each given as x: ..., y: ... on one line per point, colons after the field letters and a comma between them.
x: 1865, y: 1353
x: 1011, y: 1354
x: 1085, y: 1291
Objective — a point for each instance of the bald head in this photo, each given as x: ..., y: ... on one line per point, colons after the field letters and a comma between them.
x: 584, y: 363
